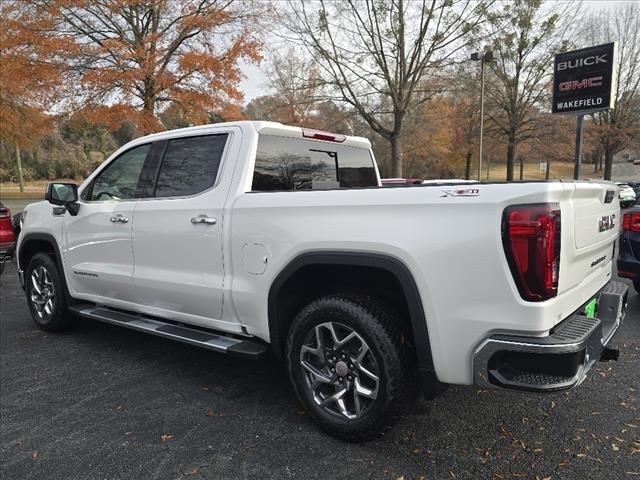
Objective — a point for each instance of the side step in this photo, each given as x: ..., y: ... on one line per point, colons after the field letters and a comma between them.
x: 219, y: 343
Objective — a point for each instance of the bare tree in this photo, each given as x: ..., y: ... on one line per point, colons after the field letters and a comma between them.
x: 383, y: 58
x: 617, y: 128
x: 295, y: 82
x: 296, y: 95
x: 526, y: 34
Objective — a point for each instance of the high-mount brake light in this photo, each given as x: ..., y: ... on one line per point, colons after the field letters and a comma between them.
x: 631, y: 222
x: 320, y: 135
x: 531, y: 239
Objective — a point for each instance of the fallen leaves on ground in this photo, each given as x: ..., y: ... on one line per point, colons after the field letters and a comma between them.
x: 166, y: 438
x: 584, y: 455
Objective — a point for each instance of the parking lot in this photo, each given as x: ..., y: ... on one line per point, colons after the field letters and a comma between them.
x: 100, y: 402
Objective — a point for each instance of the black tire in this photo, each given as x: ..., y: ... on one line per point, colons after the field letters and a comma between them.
x: 48, y: 307
x: 636, y: 285
x: 381, y: 333
x: 1, y: 268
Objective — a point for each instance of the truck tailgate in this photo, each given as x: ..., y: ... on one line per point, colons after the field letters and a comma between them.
x: 596, y: 223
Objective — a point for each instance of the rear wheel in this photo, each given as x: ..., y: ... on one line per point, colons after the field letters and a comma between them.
x: 350, y: 367
x: 636, y: 285
x: 45, y: 294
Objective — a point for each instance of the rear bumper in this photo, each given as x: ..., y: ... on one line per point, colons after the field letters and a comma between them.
x: 7, y: 251
x: 559, y: 361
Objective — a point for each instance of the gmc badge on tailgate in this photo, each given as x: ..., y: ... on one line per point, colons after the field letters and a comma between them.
x: 606, y: 222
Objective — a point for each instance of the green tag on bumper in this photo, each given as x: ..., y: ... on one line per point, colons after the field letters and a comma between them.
x: 590, y: 309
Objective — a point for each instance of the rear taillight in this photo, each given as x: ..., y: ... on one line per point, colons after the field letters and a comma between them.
x: 631, y: 222
x: 531, y: 238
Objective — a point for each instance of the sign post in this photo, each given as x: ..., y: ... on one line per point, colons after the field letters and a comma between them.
x: 579, y: 135
x: 584, y: 82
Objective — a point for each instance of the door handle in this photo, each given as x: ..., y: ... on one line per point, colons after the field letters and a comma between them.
x: 204, y: 219
x: 118, y: 219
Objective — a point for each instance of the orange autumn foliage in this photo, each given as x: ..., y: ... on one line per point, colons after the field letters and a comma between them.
x: 31, y: 72
x: 135, y: 57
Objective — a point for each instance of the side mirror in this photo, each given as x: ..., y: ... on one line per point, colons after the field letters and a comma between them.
x: 63, y: 194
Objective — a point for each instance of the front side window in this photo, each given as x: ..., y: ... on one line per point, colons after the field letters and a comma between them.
x: 119, y: 180
x: 190, y: 165
x: 292, y: 164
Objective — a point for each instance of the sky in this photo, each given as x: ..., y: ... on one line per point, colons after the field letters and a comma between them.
x: 254, y: 83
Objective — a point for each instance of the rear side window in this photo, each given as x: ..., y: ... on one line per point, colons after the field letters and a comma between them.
x: 291, y: 164
x: 190, y: 165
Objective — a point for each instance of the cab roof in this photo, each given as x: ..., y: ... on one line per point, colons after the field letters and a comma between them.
x: 268, y: 128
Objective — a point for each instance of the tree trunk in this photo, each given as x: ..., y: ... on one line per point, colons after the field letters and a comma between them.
x: 546, y: 173
x: 396, y: 155
x: 511, y: 156
x: 148, y: 115
x: 467, y: 172
x: 148, y: 107
x: 608, y: 164
x: 19, y: 164
x: 488, y: 166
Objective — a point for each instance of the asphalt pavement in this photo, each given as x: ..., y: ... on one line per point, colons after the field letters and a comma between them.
x: 17, y: 204
x: 625, y: 171
x: 102, y: 402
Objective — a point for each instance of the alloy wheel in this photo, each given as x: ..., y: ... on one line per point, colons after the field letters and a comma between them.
x: 340, y: 370
x: 43, y: 294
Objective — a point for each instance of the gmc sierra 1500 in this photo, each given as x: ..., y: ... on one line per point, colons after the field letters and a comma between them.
x: 242, y: 236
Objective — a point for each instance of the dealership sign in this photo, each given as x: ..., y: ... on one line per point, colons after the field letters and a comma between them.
x: 584, y: 80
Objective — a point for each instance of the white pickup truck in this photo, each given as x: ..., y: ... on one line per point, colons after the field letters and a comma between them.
x: 253, y: 236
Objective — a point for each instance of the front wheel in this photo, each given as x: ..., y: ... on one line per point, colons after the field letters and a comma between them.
x: 350, y: 366
x: 45, y: 294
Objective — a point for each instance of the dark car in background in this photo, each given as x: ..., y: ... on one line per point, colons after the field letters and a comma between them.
x: 7, y: 237
x: 629, y: 247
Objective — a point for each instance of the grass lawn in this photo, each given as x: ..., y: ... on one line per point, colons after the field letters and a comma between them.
x: 558, y: 170
x: 33, y: 189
